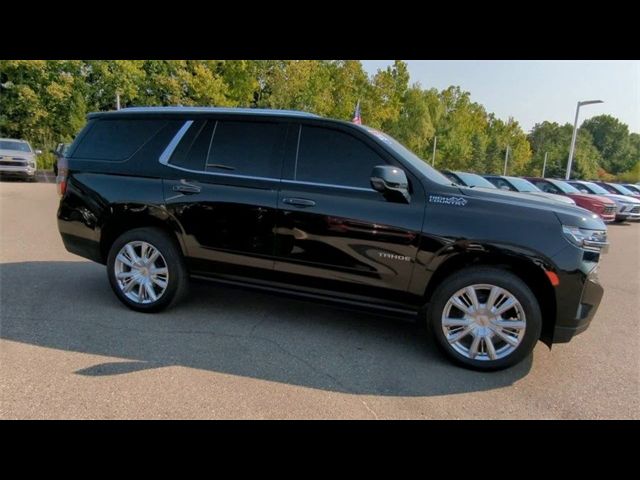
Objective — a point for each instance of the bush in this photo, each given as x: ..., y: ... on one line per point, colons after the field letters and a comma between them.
x: 46, y: 161
x: 632, y: 175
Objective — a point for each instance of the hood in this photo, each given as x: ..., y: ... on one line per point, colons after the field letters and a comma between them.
x: 567, y: 214
x: 17, y: 153
x: 554, y: 197
x: 622, y: 198
x: 589, y: 197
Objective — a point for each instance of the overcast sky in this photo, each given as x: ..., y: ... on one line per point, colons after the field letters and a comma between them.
x: 536, y: 90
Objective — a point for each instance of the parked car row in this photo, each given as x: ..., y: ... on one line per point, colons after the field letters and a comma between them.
x: 611, y: 201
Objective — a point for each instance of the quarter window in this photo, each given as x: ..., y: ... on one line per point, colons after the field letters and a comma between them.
x: 117, y: 140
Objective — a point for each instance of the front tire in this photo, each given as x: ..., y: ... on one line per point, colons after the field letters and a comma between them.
x: 146, y: 270
x: 485, y: 318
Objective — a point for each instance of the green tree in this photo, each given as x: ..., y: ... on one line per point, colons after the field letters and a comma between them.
x: 611, y: 138
x: 556, y: 140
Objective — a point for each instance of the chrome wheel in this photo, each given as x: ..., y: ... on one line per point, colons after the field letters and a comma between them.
x: 483, y: 322
x: 141, y: 272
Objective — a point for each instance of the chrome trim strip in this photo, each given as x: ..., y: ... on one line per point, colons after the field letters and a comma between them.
x: 271, y: 179
x: 344, y: 187
x: 164, y: 157
x: 232, y: 175
x: 213, y: 134
x: 295, y: 165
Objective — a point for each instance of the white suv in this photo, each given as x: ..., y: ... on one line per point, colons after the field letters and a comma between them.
x: 17, y: 159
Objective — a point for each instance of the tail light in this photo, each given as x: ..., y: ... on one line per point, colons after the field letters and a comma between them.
x: 63, y: 172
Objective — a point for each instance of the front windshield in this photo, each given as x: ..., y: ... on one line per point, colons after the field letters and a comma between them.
x: 410, y: 157
x: 523, y: 185
x: 622, y: 190
x: 565, y: 187
x: 14, y: 145
x: 633, y: 188
x: 473, y: 180
x: 595, y: 188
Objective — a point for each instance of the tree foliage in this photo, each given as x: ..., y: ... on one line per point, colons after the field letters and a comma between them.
x: 46, y: 101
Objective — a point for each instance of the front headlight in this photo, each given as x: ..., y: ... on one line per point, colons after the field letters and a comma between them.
x: 595, y: 240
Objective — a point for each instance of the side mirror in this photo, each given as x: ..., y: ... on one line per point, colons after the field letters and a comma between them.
x: 391, y: 182
x: 38, y: 152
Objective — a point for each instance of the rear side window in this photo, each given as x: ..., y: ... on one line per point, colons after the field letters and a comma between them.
x: 117, y: 140
x: 247, y: 148
x: 334, y: 157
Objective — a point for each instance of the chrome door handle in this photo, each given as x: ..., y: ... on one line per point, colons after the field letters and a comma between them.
x: 186, y: 188
x: 299, y: 202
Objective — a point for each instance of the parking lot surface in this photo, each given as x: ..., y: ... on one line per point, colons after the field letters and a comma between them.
x: 69, y: 349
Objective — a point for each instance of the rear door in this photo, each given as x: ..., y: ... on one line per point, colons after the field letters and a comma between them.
x: 221, y: 184
x: 333, y: 230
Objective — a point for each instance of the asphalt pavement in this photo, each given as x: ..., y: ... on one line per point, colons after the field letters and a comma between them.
x: 69, y: 349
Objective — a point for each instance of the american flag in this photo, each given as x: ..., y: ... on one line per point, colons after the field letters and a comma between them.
x: 357, y: 119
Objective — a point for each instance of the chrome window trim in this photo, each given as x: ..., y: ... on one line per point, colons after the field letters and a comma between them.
x: 168, y: 151
x: 232, y: 175
x: 213, y: 134
x: 295, y: 165
x: 166, y: 154
x: 344, y: 187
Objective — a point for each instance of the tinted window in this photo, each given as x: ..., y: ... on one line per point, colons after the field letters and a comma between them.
x: 621, y: 190
x: 474, y: 180
x: 546, y: 187
x: 247, y: 148
x: 523, y: 185
x: 582, y: 188
x: 192, y: 150
x: 116, y: 139
x: 500, y: 183
x: 333, y: 157
x: 565, y: 187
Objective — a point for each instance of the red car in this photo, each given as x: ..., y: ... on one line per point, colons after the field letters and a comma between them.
x: 602, y: 206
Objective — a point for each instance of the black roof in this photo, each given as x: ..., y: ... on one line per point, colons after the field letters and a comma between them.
x: 201, y: 110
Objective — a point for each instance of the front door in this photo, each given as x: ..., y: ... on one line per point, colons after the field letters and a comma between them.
x: 333, y: 230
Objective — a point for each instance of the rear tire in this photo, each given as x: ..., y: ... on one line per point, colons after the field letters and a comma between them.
x: 485, y: 318
x: 146, y: 270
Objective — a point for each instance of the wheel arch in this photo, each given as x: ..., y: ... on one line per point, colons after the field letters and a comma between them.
x: 127, y: 217
x: 531, y: 273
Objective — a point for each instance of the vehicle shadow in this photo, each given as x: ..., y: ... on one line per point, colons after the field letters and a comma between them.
x: 69, y: 306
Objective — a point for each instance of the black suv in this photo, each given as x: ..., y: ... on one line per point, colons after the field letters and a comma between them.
x: 292, y: 202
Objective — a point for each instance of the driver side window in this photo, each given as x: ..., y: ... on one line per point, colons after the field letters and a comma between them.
x: 329, y: 156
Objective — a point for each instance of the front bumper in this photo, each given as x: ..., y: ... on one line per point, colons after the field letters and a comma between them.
x: 17, y: 171
x: 589, y: 301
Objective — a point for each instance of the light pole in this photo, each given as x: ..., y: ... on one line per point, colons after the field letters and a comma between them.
x: 506, y: 158
x: 575, y: 131
x: 544, y: 165
x: 433, y: 158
